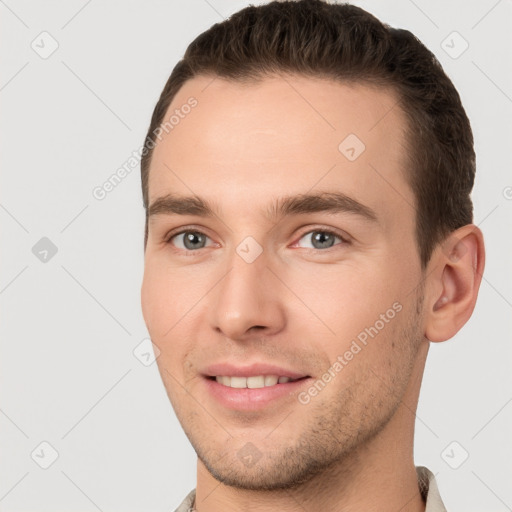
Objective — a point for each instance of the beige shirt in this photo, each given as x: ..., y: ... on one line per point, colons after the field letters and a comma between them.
x: 426, y: 482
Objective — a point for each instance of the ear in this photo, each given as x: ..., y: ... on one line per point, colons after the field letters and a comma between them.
x: 453, y: 280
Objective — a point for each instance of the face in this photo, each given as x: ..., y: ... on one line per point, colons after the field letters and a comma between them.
x: 321, y: 289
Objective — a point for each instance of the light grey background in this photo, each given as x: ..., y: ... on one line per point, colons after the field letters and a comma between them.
x: 70, y: 325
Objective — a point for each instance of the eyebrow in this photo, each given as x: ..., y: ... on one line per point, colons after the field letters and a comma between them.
x: 329, y: 202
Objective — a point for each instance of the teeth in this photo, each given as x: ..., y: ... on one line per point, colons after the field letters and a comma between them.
x: 238, y: 382
x: 254, y: 382
x: 271, y: 380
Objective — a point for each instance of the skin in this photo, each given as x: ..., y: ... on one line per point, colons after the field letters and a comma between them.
x: 351, y: 447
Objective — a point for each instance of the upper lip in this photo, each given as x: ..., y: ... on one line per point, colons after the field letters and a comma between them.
x: 252, y: 370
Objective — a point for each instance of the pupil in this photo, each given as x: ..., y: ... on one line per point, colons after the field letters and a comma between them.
x: 191, y: 238
x: 321, y: 237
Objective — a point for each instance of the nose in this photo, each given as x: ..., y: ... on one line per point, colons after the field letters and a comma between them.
x: 248, y: 300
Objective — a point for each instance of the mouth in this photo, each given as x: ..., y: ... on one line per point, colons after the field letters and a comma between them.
x: 256, y: 392
x: 253, y: 382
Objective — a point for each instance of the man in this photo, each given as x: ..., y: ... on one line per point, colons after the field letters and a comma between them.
x: 306, y: 177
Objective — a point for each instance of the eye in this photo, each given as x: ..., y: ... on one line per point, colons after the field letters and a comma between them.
x: 321, y: 239
x: 188, y: 240
x: 193, y: 240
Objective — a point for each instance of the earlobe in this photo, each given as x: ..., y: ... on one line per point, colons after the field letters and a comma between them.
x: 455, y: 274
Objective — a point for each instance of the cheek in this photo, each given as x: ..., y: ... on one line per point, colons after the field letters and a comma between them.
x: 159, y: 298
x: 164, y: 308
x: 151, y: 297
x: 169, y: 297
x: 347, y: 298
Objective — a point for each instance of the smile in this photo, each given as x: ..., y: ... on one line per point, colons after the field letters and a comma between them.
x: 253, y: 382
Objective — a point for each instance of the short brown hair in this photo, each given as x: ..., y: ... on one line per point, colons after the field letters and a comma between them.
x: 343, y: 42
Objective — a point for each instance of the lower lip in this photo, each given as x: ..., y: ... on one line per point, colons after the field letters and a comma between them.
x: 247, y: 399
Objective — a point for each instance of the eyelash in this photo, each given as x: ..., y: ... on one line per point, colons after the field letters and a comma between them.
x: 344, y: 239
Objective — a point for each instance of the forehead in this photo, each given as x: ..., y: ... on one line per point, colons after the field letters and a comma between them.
x: 242, y: 142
